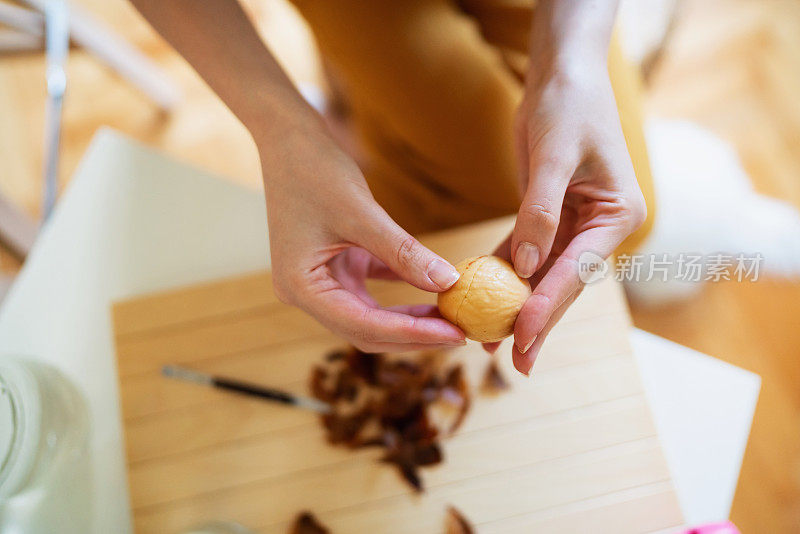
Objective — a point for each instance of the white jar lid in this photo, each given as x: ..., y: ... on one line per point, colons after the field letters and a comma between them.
x: 20, y: 425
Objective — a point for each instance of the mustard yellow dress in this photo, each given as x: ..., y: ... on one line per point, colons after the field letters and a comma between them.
x: 433, y: 86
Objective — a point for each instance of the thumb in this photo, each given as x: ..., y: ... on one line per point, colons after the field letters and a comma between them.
x: 540, y: 213
x: 402, y: 253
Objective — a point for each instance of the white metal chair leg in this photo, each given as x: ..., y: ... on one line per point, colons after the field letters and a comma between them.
x: 104, y: 44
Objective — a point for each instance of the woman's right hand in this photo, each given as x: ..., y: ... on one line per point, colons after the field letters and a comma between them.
x: 328, y: 234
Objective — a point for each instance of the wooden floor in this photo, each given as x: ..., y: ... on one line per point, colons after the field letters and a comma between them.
x: 732, y: 66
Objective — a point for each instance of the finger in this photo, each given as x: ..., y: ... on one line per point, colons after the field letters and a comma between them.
x: 523, y: 362
x: 503, y: 250
x: 378, y: 233
x: 522, y: 152
x: 491, y: 348
x: 560, y: 281
x: 380, y: 271
x: 349, y: 268
x: 375, y: 348
x: 417, y: 310
x: 359, y: 263
x: 540, y: 211
x: 347, y: 315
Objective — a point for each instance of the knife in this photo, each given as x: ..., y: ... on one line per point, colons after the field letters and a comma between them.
x: 190, y: 375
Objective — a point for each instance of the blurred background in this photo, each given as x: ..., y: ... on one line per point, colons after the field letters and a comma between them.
x: 731, y: 67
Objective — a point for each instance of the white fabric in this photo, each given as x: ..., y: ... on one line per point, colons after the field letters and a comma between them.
x: 724, y: 214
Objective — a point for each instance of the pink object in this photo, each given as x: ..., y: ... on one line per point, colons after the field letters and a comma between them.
x: 725, y: 527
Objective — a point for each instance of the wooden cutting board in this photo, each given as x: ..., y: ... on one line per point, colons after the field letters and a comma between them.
x: 571, y: 450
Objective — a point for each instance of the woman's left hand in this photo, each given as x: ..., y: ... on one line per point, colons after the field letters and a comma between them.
x: 579, y: 189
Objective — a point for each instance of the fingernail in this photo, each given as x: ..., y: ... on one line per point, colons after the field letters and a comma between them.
x: 526, y: 260
x: 525, y: 349
x: 442, y: 274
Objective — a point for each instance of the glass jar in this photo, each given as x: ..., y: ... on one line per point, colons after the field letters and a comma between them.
x: 44, y: 468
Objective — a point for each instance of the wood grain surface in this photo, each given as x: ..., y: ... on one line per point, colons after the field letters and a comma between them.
x: 572, y: 449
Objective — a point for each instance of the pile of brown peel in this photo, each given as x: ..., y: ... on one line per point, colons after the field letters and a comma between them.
x: 402, y: 405
x: 388, y: 402
x: 306, y: 523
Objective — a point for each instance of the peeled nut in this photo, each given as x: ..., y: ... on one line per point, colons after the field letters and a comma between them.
x: 486, y: 300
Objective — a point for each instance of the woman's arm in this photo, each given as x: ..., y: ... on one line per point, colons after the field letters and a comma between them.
x: 327, y: 233
x: 219, y: 41
x: 580, y: 193
x: 574, y: 33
